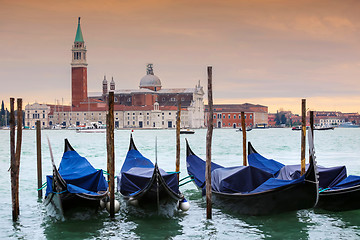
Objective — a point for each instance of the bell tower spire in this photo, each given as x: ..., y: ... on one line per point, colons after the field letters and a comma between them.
x: 79, y: 69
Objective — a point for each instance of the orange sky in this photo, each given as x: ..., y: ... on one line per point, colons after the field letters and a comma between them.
x: 269, y: 52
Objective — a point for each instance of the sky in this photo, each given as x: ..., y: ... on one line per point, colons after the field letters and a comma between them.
x: 268, y: 52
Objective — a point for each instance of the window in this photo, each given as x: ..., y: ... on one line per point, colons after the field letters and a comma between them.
x: 133, y: 113
x: 229, y: 116
x: 250, y: 116
x: 147, y: 113
x: 147, y: 123
x: 214, y: 116
x: 128, y: 123
x: 162, y: 122
x: 234, y: 116
x: 128, y: 113
x: 172, y: 99
x: 140, y: 113
x: 169, y: 113
x: 182, y: 99
x: 44, y: 115
x: 133, y: 123
x: 223, y: 116
x: 162, y: 113
x: 129, y: 100
x: 239, y: 116
x: 163, y: 99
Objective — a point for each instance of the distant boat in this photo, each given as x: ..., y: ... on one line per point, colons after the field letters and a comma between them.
x: 247, y: 129
x: 348, y: 125
x: 94, y: 127
x: 297, y: 128
x: 187, y: 131
x: 324, y: 128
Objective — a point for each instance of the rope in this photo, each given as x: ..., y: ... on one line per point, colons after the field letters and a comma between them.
x: 186, y: 178
x: 322, y: 190
x: 42, y: 186
x: 60, y: 192
x: 186, y: 182
x: 172, y: 172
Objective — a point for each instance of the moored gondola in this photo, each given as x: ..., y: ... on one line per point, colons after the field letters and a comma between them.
x: 252, y: 191
x: 146, y: 185
x: 337, y: 191
x: 75, y: 184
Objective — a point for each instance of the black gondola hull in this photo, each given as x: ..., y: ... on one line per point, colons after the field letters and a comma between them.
x: 340, y: 200
x: 290, y: 198
x: 156, y: 194
x: 64, y: 202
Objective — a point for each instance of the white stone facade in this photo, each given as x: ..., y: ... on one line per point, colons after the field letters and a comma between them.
x: 34, y: 112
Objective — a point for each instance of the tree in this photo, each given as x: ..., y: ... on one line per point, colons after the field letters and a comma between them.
x: 2, y: 115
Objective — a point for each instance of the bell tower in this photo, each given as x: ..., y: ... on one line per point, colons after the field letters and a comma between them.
x: 78, y: 69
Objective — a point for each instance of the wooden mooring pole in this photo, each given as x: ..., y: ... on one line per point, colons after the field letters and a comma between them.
x: 208, y: 146
x: 303, y: 135
x: 111, y: 153
x: 243, y: 127
x: 38, y: 153
x: 15, y: 152
x: 177, y: 169
x: 311, y: 129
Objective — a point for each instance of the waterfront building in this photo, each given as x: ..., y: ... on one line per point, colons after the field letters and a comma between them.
x: 229, y: 115
x: 35, y: 112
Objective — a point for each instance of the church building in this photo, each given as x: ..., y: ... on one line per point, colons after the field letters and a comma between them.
x: 149, y: 106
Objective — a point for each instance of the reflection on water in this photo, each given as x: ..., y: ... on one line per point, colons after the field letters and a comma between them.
x: 36, y: 222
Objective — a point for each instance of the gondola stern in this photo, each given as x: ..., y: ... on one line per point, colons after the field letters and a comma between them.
x: 189, y: 152
x: 132, y: 144
x: 251, y: 149
x: 68, y: 146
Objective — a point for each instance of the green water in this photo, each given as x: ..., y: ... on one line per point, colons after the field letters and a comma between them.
x: 338, y: 147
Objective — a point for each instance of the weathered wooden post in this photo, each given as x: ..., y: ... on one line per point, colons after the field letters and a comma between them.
x: 38, y: 152
x: 177, y: 169
x: 243, y: 128
x: 303, y: 135
x: 111, y: 153
x: 208, y: 146
x: 311, y: 129
x: 15, y: 209
x: 15, y: 153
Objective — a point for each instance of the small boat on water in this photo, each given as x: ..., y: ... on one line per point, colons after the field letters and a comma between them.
x: 337, y: 191
x: 322, y: 128
x: 247, y: 129
x: 251, y: 191
x: 298, y: 128
x: 94, y: 127
x: 75, y: 184
x: 146, y: 185
x: 187, y: 131
x: 348, y: 125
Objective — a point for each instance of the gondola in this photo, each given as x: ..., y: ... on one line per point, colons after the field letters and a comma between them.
x: 337, y: 191
x: 75, y: 184
x: 251, y: 191
x: 144, y: 184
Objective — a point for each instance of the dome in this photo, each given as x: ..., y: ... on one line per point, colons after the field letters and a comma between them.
x: 150, y: 80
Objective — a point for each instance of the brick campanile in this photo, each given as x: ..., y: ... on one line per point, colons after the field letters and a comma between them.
x: 78, y: 69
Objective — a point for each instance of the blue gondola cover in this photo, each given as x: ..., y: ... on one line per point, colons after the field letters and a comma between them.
x: 136, y: 173
x: 79, y: 174
x: 328, y: 177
